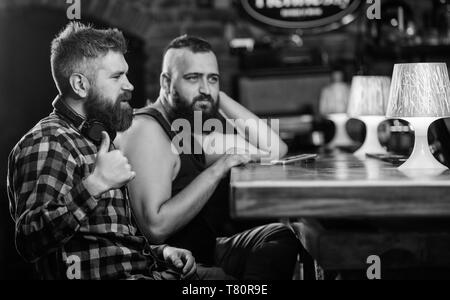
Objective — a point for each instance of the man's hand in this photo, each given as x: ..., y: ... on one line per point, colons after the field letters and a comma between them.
x: 232, y: 158
x: 180, y: 260
x: 112, y: 170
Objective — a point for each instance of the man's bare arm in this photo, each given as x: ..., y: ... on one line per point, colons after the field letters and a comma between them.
x: 158, y: 214
x: 253, y: 133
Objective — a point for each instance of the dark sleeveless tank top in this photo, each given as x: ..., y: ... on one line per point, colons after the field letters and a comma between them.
x: 199, y: 235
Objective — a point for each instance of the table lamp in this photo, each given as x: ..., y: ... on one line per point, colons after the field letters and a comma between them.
x: 333, y: 105
x: 420, y: 94
x: 368, y: 102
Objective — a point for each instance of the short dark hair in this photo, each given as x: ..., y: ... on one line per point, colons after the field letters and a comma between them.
x: 194, y: 44
x: 75, y: 45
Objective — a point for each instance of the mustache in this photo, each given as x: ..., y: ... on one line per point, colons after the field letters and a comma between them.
x: 126, y: 96
x: 204, y: 98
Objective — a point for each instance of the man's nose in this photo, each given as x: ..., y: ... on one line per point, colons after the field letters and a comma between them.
x: 204, y: 87
x: 128, y: 86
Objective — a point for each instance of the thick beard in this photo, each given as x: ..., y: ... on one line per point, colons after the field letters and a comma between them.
x: 181, y: 109
x: 115, y: 117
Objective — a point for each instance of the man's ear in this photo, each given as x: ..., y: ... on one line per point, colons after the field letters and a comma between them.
x: 80, y: 85
x: 165, y: 82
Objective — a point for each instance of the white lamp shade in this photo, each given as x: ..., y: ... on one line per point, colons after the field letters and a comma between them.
x: 419, y: 90
x: 369, y: 96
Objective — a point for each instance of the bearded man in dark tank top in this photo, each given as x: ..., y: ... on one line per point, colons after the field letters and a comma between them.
x: 175, y: 194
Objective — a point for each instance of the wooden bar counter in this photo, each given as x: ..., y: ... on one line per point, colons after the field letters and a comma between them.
x: 338, y: 186
x: 346, y: 209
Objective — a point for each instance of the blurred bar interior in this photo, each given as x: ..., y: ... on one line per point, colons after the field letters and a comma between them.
x: 277, y: 59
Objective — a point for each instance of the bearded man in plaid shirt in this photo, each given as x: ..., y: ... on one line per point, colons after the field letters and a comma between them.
x: 67, y: 183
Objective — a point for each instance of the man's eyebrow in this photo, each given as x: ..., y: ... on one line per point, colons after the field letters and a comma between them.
x: 119, y: 73
x: 201, y: 74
